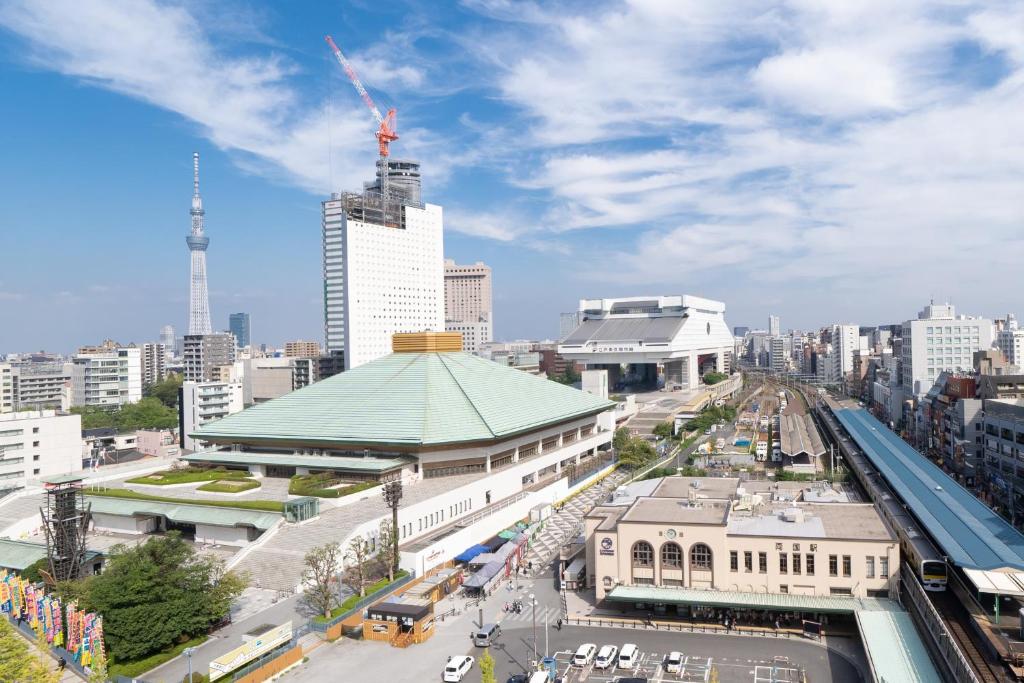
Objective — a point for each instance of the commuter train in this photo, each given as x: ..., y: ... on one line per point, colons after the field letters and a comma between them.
x: 916, y: 548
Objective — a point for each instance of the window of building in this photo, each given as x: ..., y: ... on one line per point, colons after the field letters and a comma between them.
x: 847, y: 565
x: 833, y: 565
x: 783, y: 588
x: 35, y: 458
x: 783, y: 563
x: 869, y: 567
x: 883, y: 567
x: 671, y: 556
x: 734, y: 561
x: 700, y: 556
x: 762, y: 563
x: 748, y: 561
x: 810, y: 565
x: 643, y: 554
x: 35, y: 444
x: 796, y: 563
x: 839, y: 591
x: 35, y: 430
x: 35, y: 471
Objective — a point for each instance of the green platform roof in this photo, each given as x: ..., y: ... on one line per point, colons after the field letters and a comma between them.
x: 410, y: 399
x: 836, y: 604
x: 895, y: 649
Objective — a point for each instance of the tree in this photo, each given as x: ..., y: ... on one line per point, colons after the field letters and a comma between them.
x: 636, y: 453
x: 715, y: 377
x: 154, y: 594
x: 487, y: 667
x: 320, y: 575
x: 356, y: 557
x: 166, y: 391
x: 388, y: 552
x: 664, y: 430
x: 18, y: 662
x: 149, y: 413
x: 98, y: 669
x: 620, y: 438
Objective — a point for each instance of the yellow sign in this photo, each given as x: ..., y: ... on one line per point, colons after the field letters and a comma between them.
x: 260, y: 645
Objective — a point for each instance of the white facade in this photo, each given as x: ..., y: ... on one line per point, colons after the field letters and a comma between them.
x: 41, y: 386
x: 109, y: 379
x: 6, y: 388
x: 940, y: 340
x: 778, y: 358
x: 154, y: 363
x: 567, y: 322
x: 473, y: 334
x: 845, y: 340
x: 380, y: 280
x: 467, y: 292
x: 204, y: 402
x: 36, y: 444
x: 774, y: 328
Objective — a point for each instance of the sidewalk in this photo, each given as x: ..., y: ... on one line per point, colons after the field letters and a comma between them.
x: 69, y: 675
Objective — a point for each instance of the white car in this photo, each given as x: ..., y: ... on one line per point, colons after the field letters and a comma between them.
x: 674, y: 662
x: 606, y: 657
x: 584, y: 654
x: 456, y: 668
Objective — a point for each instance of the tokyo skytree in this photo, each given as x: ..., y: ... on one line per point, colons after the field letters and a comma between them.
x: 199, y: 299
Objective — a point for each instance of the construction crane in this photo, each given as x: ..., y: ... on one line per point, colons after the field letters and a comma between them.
x: 386, y: 134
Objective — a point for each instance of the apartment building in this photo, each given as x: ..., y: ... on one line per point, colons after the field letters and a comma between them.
x: 154, y: 363
x: 1004, y: 452
x: 205, y: 354
x: 38, y: 443
x: 6, y: 389
x: 106, y: 377
x: 205, y: 402
x: 302, y: 349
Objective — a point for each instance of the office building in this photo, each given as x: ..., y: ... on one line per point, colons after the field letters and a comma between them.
x: 154, y: 363
x: 169, y: 341
x: 6, y: 388
x: 383, y: 265
x: 940, y: 340
x: 778, y: 354
x: 198, y: 243
x: 652, y: 543
x: 302, y: 349
x: 38, y: 443
x: 468, y: 303
x: 1011, y: 341
x: 774, y: 329
x: 205, y: 402
x: 205, y: 354
x: 238, y: 324
x: 845, y: 340
x: 111, y: 377
x: 41, y: 386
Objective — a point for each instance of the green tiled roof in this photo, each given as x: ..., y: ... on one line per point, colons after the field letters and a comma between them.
x: 415, y: 399
x: 784, y: 601
x: 18, y: 555
x: 188, y: 514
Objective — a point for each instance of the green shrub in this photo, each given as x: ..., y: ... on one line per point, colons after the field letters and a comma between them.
x: 140, y: 666
x: 229, y: 486
x: 266, y: 505
x: 319, y: 486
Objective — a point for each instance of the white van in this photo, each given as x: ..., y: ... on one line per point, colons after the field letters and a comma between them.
x: 628, y: 656
x: 606, y: 657
x: 584, y: 655
x: 539, y: 677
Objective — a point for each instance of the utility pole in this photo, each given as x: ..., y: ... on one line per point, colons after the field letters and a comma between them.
x: 392, y: 496
x: 533, y: 602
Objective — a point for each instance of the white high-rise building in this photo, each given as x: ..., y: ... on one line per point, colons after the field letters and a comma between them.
x: 107, y: 379
x: 468, y: 303
x: 383, y: 269
x: 940, y: 340
x: 154, y: 360
x: 6, y: 388
x: 1011, y: 341
x: 774, y: 329
x: 845, y: 340
x: 203, y: 402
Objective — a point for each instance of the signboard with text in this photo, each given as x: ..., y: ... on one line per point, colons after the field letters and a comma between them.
x: 245, y: 653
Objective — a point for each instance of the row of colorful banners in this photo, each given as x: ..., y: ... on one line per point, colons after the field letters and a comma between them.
x: 80, y: 633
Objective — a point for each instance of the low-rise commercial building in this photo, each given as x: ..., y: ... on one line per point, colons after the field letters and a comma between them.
x: 745, y: 537
x: 36, y: 444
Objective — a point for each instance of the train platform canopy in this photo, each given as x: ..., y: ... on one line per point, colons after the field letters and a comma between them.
x: 832, y: 604
x: 968, y: 532
x: 894, y: 648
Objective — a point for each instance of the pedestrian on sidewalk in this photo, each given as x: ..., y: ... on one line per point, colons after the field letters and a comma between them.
x: 61, y: 663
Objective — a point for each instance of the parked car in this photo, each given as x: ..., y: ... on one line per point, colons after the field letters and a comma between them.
x: 584, y: 654
x: 456, y: 668
x: 628, y: 656
x: 674, y: 662
x: 606, y: 657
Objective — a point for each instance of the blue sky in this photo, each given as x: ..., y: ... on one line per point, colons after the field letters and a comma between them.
x: 823, y: 161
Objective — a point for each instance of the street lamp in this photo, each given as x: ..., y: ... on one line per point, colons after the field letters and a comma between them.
x: 533, y: 603
x: 188, y: 652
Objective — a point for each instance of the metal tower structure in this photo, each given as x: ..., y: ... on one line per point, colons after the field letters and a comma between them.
x: 199, y: 298
x: 65, y: 520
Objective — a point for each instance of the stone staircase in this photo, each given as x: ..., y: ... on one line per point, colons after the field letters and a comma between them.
x: 562, y: 526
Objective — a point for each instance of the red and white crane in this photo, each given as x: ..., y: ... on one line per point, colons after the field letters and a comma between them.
x: 386, y: 133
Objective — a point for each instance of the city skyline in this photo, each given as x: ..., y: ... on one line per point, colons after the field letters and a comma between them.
x: 851, y: 196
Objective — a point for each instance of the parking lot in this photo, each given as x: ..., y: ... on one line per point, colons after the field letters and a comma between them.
x: 735, y: 658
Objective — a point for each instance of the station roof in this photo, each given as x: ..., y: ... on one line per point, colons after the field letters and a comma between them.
x: 894, y: 648
x: 411, y: 399
x: 648, y: 330
x: 181, y: 512
x: 317, y: 462
x: 799, y: 435
x: 771, y: 601
x: 967, y: 530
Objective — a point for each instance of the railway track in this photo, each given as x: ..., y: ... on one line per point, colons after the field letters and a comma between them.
x: 953, y: 615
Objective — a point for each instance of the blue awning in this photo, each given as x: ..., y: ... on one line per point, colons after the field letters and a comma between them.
x: 471, y: 552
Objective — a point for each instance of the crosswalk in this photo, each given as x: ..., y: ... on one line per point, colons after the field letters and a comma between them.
x: 544, y: 614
